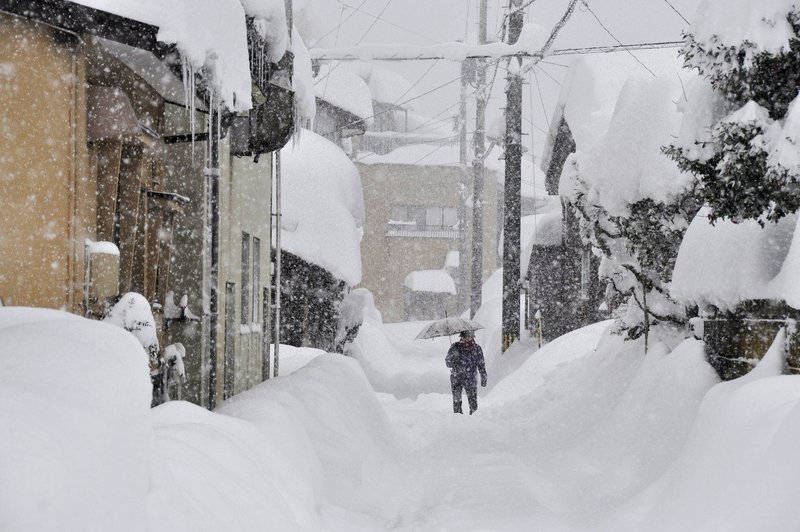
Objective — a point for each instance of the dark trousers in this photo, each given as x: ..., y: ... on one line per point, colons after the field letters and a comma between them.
x: 472, y: 396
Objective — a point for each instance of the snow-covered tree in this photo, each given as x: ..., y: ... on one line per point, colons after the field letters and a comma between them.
x: 633, y: 203
x: 747, y: 157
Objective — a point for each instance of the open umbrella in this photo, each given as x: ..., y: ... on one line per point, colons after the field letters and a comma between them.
x: 447, y: 327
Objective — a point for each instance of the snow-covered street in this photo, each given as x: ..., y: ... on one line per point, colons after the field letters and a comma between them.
x: 399, y: 265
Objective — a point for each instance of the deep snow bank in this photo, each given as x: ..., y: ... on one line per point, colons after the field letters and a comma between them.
x: 82, y: 450
x: 75, y: 424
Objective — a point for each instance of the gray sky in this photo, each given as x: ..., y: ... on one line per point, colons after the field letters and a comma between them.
x: 426, y: 22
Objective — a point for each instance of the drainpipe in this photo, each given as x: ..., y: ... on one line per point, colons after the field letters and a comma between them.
x: 212, y: 173
x: 277, y: 332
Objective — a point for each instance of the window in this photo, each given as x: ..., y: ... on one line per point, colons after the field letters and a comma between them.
x: 423, y: 221
x: 585, y: 267
x: 245, y: 278
x: 256, y: 280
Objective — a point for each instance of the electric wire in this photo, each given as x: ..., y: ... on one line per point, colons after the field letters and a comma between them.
x: 389, y: 22
x: 676, y: 11
x: 400, y: 104
x: 363, y: 36
x: 315, y: 43
x: 590, y: 10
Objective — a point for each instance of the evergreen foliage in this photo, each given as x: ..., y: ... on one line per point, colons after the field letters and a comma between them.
x: 738, y: 180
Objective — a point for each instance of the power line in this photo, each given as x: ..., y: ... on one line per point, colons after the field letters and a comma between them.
x: 389, y: 22
x: 678, y: 12
x: 541, y: 98
x: 340, y: 24
x: 546, y: 73
x: 400, y: 104
x: 363, y: 36
x: 335, y: 41
x: 589, y: 9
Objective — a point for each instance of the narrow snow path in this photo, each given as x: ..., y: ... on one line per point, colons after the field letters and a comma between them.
x: 490, y: 471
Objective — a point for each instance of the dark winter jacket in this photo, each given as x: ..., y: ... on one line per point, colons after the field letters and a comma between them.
x: 465, y: 359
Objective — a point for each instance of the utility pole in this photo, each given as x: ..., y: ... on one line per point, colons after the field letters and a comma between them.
x: 463, y: 300
x: 479, y: 143
x: 513, y: 184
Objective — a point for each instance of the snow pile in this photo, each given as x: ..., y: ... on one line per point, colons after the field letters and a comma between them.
x: 591, y: 89
x: 389, y: 87
x: 75, y: 451
x: 276, y: 451
x: 302, y: 82
x: 323, y: 206
x: 270, y: 22
x: 737, y: 470
x: 530, y: 42
x: 82, y: 450
x: 394, y: 362
x: 545, y: 228
x: 210, y: 35
x: 628, y: 164
x: 762, y: 23
x: 434, y: 281
x: 727, y: 263
x: 345, y: 90
x: 101, y: 248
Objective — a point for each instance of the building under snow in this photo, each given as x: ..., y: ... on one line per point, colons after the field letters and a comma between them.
x: 113, y: 166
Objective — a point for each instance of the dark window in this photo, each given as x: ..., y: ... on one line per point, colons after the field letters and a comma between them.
x: 256, y: 279
x: 245, y: 278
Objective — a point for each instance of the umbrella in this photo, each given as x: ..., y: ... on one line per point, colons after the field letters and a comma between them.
x: 447, y: 327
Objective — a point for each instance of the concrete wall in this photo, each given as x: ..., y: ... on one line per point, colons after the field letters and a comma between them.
x: 46, y: 193
x: 245, y: 206
x: 245, y: 200
x: 387, y: 259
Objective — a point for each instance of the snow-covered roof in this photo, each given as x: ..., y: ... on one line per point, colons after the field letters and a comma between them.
x: 452, y: 259
x: 628, y: 164
x: 531, y: 40
x: 209, y: 34
x: 762, y: 23
x: 270, y: 22
x: 727, y: 263
x: 346, y: 90
x: 322, y: 205
x: 387, y: 86
x: 449, y: 155
x: 541, y: 229
x: 435, y: 281
x: 590, y: 90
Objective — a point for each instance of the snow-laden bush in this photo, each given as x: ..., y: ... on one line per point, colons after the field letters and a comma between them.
x: 132, y: 313
x: 634, y: 204
x: 749, y: 53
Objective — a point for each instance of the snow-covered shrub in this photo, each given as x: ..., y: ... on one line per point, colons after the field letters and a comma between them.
x: 132, y: 312
x: 749, y: 53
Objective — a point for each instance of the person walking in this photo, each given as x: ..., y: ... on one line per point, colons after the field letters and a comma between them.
x: 465, y: 360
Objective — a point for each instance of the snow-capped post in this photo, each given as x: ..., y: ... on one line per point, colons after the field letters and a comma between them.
x: 479, y: 144
x: 513, y: 183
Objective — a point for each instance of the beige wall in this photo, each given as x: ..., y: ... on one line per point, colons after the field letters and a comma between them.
x: 46, y: 195
x: 245, y: 206
x: 387, y: 260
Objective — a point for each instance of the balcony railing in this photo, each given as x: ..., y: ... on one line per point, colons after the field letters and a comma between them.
x: 414, y: 231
